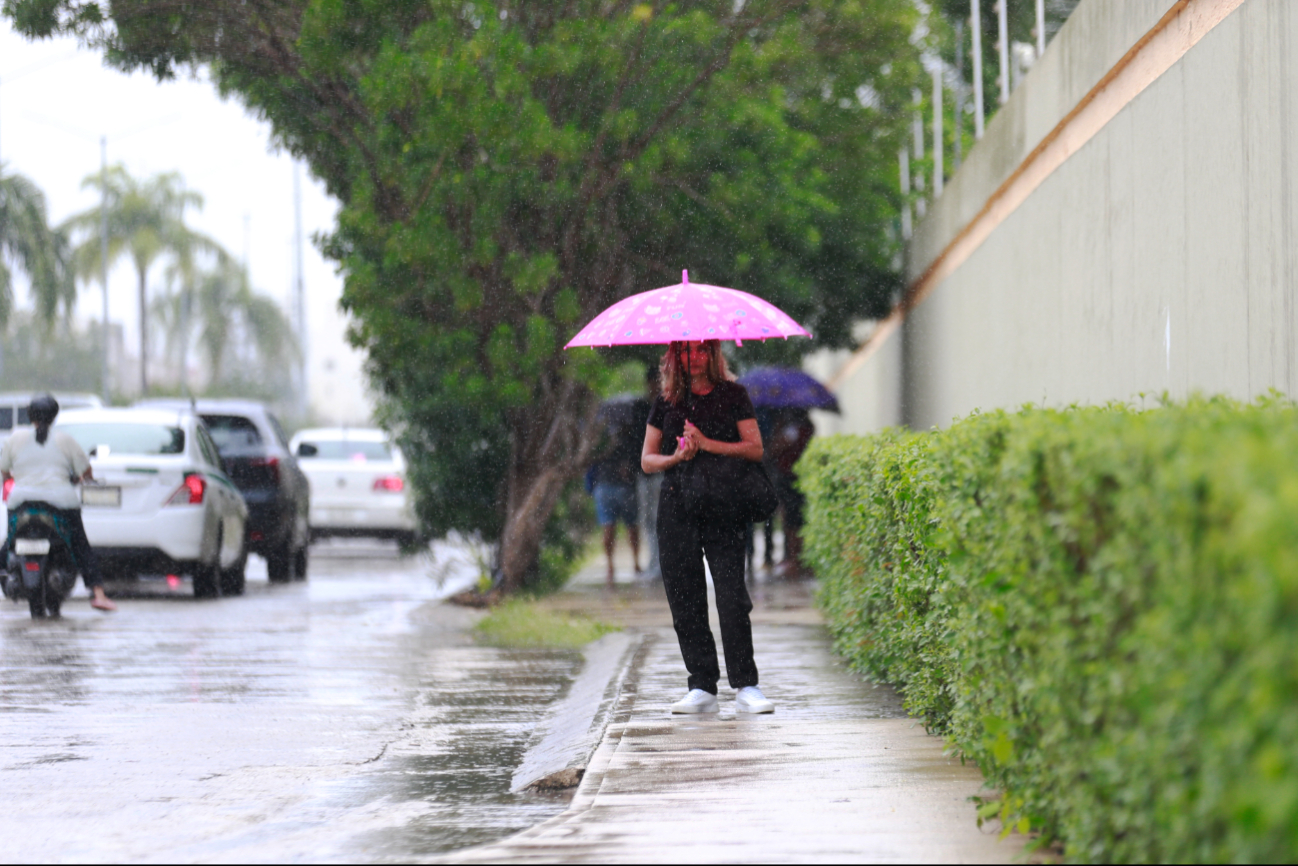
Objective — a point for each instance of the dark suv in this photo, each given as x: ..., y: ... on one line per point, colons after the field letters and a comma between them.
x: 257, y: 459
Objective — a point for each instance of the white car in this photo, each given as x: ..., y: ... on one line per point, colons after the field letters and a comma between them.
x: 358, y: 483
x: 161, y: 502
x: 13, y: 408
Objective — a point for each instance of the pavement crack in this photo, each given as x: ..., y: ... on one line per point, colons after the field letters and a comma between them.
x: 382, y: 752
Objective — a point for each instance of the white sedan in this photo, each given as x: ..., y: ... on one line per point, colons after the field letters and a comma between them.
x: 161, y: 502
x: 358, y: 483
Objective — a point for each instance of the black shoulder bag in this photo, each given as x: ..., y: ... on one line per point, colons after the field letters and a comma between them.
x: 730, y: 488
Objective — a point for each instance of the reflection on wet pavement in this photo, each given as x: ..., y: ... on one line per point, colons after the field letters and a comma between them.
x: 339, y: 719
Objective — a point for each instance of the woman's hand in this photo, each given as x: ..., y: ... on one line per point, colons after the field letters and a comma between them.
x: 695, y: 437
x: 749, y: 446
x: 687, y: 447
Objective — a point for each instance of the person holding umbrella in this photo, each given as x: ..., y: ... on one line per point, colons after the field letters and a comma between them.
x: 701, y: 409
x: 702, y: 415
x: 783, y: 395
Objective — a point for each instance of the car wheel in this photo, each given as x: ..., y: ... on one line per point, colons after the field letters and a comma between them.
x: 235, y: 578
x: 299, y: 564
x: 206, y: 580
x: 279, y: 565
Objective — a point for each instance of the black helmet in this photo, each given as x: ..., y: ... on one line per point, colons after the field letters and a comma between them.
x: 43, y: 409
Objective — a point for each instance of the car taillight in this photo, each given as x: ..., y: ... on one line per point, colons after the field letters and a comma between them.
x: 9, y: 485
x: 189, y: 493
x: 271, y: 465
x: 389, y: 483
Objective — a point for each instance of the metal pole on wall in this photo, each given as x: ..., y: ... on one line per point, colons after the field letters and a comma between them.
x: 917, y: 179
x: 958, y: 133
x: 939, y: 145
x: 903, y: 159
x: 976, y: 22
x: 103, y: 257
x: 1041, y: 27
x: 1003, y: 45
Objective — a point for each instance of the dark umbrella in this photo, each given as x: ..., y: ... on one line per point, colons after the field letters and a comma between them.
x: 786, y: 388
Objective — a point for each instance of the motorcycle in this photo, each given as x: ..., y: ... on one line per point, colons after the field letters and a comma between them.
x: 40, y: 566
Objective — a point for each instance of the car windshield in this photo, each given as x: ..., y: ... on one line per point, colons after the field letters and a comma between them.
x: 340, y: 449
x: 104, y: 438
x: 232, y: 432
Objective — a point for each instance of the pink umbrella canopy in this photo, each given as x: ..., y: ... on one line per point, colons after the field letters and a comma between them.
x: 687, y: 311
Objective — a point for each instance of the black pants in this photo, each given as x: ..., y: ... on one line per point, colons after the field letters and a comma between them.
x: 683, y: 541
x: 84, y: 556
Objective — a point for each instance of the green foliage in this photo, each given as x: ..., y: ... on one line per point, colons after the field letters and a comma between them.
x: 36, y: 355
x: 506, y: 170
x: 242, y: 335
x: 523, y: 623
x: 27, y: 239
x: 1099, y: 606
x: 145, y: 222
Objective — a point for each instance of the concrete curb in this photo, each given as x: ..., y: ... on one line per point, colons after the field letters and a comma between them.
x: 609, y: 721
x: 572, y: 730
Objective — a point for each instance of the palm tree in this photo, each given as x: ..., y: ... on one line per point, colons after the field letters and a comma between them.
x: 26, y: 238
x: 219, y: 310
x: 146, y: 221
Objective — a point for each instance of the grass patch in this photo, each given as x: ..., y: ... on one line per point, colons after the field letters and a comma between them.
x: 524, y: 623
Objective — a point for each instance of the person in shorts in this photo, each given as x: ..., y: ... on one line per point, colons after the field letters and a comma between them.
x: 616, y: 473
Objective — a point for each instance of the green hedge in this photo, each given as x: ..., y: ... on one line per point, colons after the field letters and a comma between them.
x: 1098, y: 605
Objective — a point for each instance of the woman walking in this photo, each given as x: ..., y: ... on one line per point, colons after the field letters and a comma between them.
x: 46, y: 465
x: 701, y: 410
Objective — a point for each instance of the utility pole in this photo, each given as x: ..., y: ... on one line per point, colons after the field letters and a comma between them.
x: 976, y: 20
x: 299, y: 291
x: 103, y: 257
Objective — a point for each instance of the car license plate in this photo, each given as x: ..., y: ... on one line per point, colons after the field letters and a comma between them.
x: 101, y: 497
x: 31, y: 546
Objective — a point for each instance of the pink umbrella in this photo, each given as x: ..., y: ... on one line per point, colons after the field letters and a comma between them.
x: 687, y: 311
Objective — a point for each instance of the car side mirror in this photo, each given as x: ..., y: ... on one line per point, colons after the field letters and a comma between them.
x: 306, y: 449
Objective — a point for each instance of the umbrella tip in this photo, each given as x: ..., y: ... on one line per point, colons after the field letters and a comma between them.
x: 685, y: 278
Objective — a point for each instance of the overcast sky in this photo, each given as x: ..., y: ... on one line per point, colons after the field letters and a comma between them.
x: 57, y: 99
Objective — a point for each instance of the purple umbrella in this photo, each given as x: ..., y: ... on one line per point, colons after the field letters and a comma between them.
x: 786, y: 388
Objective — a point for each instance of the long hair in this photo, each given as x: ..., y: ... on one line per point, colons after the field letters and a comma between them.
x: 676, y: 375
x: 42, y: 411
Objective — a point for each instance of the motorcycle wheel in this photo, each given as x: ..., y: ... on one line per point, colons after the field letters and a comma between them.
x: 299, y: 564
x: 36, y: 603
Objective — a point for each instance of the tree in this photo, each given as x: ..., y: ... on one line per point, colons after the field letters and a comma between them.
x: 146, y: 221
x: 42, y: 253
x: 217, y: 310
x: 507, y: 169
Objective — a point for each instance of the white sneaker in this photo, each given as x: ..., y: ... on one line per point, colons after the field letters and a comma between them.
x: 697, y: 701
x: 751, y: 700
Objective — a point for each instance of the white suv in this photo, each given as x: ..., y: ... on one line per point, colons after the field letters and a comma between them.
x: 358, y: 483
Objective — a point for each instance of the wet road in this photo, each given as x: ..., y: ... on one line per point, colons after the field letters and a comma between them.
x: 346, y: 718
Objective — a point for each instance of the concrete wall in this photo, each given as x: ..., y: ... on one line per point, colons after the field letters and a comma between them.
x: 1158, y: 256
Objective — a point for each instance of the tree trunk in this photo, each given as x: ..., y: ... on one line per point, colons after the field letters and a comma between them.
x: 549, y: 449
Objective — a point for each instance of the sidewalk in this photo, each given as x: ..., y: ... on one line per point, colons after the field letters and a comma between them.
x: 837, y: 774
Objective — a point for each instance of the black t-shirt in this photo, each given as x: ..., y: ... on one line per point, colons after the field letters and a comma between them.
x: 717, y: 415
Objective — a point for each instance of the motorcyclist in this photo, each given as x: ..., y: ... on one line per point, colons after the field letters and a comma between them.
x: 46, y: 465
